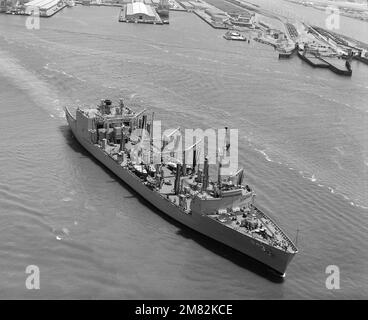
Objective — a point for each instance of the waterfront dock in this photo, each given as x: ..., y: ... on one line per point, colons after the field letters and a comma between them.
x: 286, y: 54
x: 97, y: 3
x: 175, y: 6
x: 312, y: 60
x: 264, y: 41
x: 207, y: 18
x: 338, y: 65
x: 47, y: 8
x: 361, y: 59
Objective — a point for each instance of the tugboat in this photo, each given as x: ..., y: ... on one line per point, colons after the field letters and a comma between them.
x: 224, y: 209
x: 234, y: 35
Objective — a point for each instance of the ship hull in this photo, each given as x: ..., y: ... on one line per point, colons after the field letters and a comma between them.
x: 272, y: 257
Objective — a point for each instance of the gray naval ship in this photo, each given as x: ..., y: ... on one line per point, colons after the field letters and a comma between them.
x: 223, y: 210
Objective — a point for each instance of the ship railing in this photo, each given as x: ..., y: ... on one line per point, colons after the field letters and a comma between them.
x: 278, y: 229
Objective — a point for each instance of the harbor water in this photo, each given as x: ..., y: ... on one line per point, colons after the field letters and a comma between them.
x: 302, y: 142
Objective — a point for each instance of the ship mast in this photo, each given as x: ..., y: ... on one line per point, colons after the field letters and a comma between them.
x: 220, y: 156
x: 205, y: 175
x: 194, y: 160
x: 194, y: 147
x: 151, y: 140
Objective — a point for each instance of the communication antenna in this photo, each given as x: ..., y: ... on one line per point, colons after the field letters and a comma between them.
x: 296, y: 237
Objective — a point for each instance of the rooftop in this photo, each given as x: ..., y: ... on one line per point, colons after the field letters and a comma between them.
x: 139, y: 8
x: 41, y: 3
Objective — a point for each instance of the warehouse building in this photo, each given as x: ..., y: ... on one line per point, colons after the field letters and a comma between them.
x: 140, y: 11
x: 3, y: 6
x: 242, y: 19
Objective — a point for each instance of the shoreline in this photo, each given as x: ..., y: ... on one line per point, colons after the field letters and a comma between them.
x: 342, y: 10
x: 266, y: 27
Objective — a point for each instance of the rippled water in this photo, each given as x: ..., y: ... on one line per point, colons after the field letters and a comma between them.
x: 303, y: 144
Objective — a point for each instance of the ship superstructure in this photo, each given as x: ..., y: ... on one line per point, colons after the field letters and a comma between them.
x: 224, y: 209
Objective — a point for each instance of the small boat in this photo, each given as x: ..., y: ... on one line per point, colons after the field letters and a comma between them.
x: 233, y: 35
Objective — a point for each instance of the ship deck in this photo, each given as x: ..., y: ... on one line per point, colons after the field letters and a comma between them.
x: 167, y: 188
x: 266, y: 232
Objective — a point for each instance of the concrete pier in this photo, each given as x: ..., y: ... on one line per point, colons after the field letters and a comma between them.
x: 205, y: 17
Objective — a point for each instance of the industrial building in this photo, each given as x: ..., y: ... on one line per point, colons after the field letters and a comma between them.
x: 3, y: 6
x: 139, y: 12
x: 47, y: 8
x: 243, y: 19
